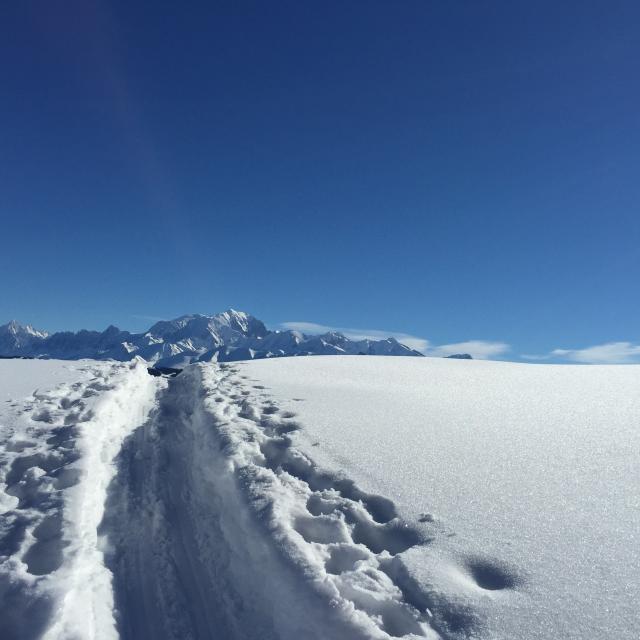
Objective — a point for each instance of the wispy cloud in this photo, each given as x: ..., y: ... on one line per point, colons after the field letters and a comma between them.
x: 306, y: 327
x: 608, y: 353
x: 143, y: 317
x: 414, y: 342
x: 479, y: 349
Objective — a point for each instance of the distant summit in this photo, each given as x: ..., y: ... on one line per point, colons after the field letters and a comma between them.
x: 461, y: 356
x: 15, y: 337
x: 228, y: 336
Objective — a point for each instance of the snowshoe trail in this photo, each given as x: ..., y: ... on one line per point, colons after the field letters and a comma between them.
x: 148, y: 507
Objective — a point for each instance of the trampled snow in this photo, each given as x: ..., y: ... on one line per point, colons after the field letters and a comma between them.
x: 319, y: 498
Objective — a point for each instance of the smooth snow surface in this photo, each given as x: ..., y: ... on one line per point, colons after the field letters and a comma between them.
x: 324, y: 498
x: 526, y: 479
x: 19, y: 378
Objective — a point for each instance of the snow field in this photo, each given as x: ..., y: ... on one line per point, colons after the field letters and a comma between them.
x: 315, y: 498
x: 524, y: 479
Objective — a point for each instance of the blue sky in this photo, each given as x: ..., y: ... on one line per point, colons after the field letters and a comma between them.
x: 452, y: 171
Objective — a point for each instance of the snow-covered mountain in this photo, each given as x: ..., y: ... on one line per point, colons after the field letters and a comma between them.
x: 15, y: 337
x: 228, y: 336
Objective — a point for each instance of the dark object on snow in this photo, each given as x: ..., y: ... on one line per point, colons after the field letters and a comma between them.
x: 163, y: 371
x: 461, y: 356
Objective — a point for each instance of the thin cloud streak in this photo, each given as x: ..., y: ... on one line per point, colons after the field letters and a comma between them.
x: 479, y: 349
x: 413, y: 342
x: 608, y: 353
x: 144, y: 317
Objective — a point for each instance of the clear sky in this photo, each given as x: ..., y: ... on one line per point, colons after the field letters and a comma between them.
x: 455, y: 171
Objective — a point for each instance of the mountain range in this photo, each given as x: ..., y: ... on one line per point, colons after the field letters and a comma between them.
x: 228, y: 336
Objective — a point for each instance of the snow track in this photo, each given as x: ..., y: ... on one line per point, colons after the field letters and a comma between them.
x: 55, y: 466
x: 219, y: 528
x: 145, y: 508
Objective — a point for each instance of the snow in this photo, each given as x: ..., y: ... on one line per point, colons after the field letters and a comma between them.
x: 336, y: 497
x: 19, y: 378
x: 530, y: 472
x: 57, y: 448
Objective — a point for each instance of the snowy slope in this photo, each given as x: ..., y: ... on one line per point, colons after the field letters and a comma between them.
x: 228, y: 336
x: 524, y: 477
x: 320, y: 498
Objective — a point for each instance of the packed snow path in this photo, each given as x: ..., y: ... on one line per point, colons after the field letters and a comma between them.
x: 139, y: 507
x: 219, y: 528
